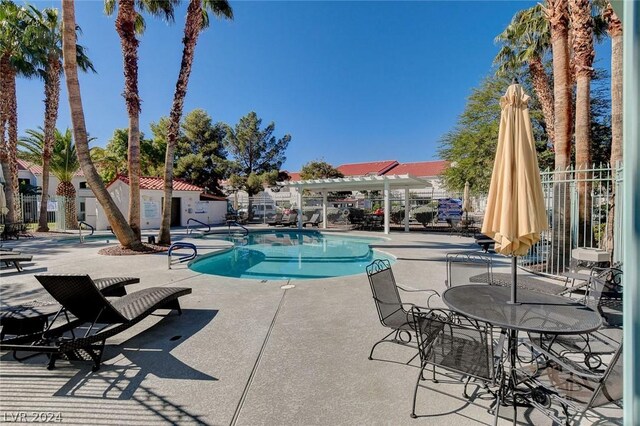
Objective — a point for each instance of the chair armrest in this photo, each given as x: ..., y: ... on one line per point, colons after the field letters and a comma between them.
x: 415, y: 290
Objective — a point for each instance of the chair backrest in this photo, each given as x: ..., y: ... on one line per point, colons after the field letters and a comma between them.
x: 610, y: 387
x: 468, y: 268
x: 277, y: 217
x: 454, y: 342
x: 385, y: 292
x: 604, y: 283
x: 314, y: 218
x: 285, y: 218
x: 79, y: 295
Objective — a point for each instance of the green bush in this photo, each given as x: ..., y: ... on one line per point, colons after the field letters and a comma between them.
x: 425, y: 217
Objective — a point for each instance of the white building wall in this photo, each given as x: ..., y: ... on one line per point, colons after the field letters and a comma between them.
x: 211, y: 212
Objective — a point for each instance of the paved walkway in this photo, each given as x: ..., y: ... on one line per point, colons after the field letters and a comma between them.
x: 244, y: 352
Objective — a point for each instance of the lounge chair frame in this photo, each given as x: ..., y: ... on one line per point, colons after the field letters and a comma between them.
x: 79, y: 297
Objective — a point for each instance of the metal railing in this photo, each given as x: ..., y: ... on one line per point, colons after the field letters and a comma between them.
x: 579, y: 204
x: 196, y: 221
x: 182, y: 258
x: 82, y: 223
x: 234, y: 223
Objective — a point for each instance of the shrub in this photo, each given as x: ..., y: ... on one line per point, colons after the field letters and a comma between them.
x: 425, y: 217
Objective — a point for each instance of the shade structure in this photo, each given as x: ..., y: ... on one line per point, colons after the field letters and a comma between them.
x: 466, y: 201
x: 515, y: 214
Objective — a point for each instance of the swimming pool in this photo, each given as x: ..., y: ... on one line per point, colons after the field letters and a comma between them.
x: 292, y: 254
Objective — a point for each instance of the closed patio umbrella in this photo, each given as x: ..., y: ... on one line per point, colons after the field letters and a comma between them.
x: 515, y: 214
x: 466, y: 201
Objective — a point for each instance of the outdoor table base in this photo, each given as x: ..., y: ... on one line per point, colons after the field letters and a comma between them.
x: 534, y: 313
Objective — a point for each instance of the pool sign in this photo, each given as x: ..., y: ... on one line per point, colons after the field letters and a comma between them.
x: 151, y: 209
x: 449, y: 208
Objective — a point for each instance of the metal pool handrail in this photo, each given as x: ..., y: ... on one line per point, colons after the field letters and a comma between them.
x: 197, y: 221
x: 80, y: 223
x: 182, y: 245
x: 233, y: 222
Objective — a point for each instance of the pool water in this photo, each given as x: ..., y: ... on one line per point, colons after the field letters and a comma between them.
x: 292, y: 254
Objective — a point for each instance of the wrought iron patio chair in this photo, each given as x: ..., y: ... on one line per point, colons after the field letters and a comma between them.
x: 392, y: 311
x: 461, y: 267
x: 459, y: 345
x: 79, y: 296
x: 604, y: 287
x: 573, y: 386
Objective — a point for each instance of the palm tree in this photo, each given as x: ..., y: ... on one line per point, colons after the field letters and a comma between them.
x: 16, y: 59
x: 583, y: 54
x: 64, y: 165
x: 118, y: 223
x: 526, y: 40
x: 557, y: 13
x: 614, y: 29
x: 128, y: 22
x: 197, y: 19
x: 47, y: 29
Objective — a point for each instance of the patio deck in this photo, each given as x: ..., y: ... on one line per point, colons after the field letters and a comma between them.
x: 245, y: 352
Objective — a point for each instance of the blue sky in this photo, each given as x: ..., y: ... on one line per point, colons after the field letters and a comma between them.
x: 351, y: 81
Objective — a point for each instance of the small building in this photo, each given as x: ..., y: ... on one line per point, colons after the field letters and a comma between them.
x: 188, y: 201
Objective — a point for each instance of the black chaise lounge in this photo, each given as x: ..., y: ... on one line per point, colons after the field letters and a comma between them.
x: 8, y: 257
x: 314, y: 221
x: 65, y: 337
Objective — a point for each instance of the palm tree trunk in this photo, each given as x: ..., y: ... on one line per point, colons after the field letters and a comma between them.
x: 192, y: 27
x: 13, y: 199
x: 557, y: 13
x: 125, y: 25
x: 542, y: 86
x: 615, y: 32
x: 67, y: 191
x: 5, y: 82
x: 51, y: 103
x: 121, y: 229
x: 583, y: 53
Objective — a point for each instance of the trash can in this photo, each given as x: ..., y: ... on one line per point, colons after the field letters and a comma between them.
x: 151, y: 239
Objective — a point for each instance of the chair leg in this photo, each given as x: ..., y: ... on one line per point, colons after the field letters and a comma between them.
x: 174, y: 305
x: 415, y: 393
x: 52, y: 362
x: 466, y: 383
x: 384, y: 339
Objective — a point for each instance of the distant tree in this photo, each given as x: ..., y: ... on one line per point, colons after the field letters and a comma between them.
x: 201, y: 155
x: 319, y: 169
x: 470, y: 147
x: 255, y: 151
x: 64, y: 165
x: 115, y: 155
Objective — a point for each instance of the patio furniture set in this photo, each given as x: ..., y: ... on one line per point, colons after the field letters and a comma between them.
x: 572, y: 351
x: 14, y: 230
x: 10, y: 257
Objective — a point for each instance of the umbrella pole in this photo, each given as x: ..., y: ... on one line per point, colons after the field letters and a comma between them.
x: 514, y: 280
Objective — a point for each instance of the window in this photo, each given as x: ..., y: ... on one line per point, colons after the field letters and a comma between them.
x: 83, y: 185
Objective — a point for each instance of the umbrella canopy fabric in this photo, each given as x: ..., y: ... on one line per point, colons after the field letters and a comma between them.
x: 515, y: 214
x: 466, y: 201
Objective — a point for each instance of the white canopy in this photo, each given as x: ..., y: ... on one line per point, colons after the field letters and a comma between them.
x: 386, y: 183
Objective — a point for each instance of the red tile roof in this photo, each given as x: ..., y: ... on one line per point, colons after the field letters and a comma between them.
x: 420, y: 169
x: 36, y: 169
x: 149, y: 182
x: 375, y: 168
x: 295, y: 176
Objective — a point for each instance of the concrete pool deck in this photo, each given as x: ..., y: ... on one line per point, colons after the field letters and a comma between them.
x: 245, y: 352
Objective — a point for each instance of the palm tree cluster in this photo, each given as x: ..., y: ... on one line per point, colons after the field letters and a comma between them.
x: 553, y: 43
x: 30, y: 47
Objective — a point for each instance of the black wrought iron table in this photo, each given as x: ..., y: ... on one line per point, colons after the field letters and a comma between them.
x: 534, y: 313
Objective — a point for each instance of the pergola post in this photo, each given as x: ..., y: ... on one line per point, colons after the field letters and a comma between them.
x: 386, y: 207
x: 406, y: 210
x: 300, y: 207
x: 324, y: 209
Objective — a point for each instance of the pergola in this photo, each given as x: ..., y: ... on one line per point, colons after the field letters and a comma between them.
x: 385, y: 183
